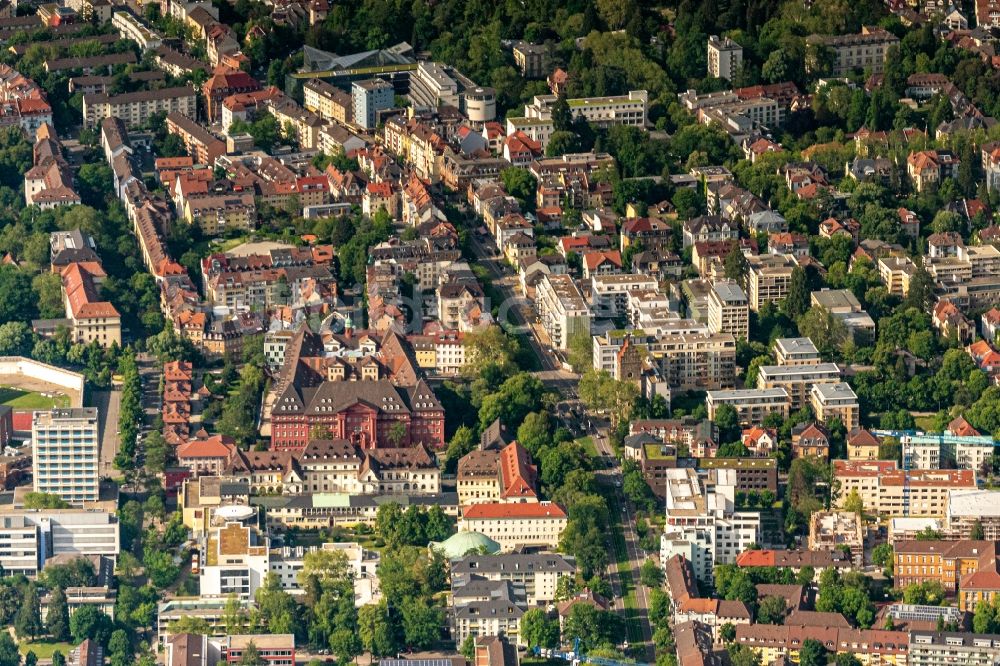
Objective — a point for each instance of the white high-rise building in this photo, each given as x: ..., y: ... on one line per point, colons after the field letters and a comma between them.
x: 702, y: 523
x: 724, y: 57
x: 66, y: 454
x: 236, y: 559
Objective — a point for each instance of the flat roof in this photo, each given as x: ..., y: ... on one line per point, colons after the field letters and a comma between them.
x: 804, y: 369
x: 835, y: 391
x: 737, y: 394
x: 796, y: 346
x: 729, y: 292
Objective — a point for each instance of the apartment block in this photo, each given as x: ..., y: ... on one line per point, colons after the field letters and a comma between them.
x: 832, y: 400
x: 885, y: 489
x: 939, y: 648
x: 538, y: 573
x: 136, y: 108
x: 967, y: 508
x: 65, y: 450
x: 725, y: 57
x: 562, y: 309
x: 129, y: 27
x: 871, y: 647
x: 92, y: 319
x: 609, y: 293
x: 798, y: 380
x: 696, y: 362
x: 328, y: 101
x: 201, y: 144
x: 751, y: 474
x: 796, y: 351
x: 702, y: 523
x: 752, y: 405
x: 769, y: 277
x: 729, y: 310
x: 217, y: 213
x: 896, y: 273
x: 864, y: 51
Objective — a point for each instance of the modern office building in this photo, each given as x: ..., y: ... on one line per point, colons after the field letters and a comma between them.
x: 66, y: 454
x: 235, y: 561
x: 370, y: 97
x: 29, y: 537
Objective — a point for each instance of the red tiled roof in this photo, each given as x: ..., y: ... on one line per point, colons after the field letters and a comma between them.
x: 497, y: 511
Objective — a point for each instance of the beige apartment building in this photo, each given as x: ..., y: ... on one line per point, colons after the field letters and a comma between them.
x: 92, y: 319
x: 796, y: 351
x: 538, y: 524
x: 864, y: 51
x: 797, y: 379
x: 888, y: 490
x: 696, y: 362
x: 769, y: 277
x: 896, y: 273
x: 835, y: 400
x: 729, y: 309
x: 215, y: 213
x: 328, y: 101
x: 136, y: 108
x: 561, y: 309
x: 751, y: 405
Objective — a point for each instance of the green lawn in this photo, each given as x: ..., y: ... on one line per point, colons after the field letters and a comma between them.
x: 229, y: 243
x: 19, y: 399
x: 588, y: 445
x: 925, y: 423
x: 44, y: 649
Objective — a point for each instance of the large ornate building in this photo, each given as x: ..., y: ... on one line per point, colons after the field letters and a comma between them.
x: 374, y: 400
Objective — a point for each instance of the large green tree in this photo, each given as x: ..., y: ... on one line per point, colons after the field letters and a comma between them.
x: 58, y: 615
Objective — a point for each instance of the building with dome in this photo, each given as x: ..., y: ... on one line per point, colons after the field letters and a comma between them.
x: 462, y: 543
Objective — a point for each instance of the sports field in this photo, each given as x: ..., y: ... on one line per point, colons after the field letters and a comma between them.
x: 21, y: 399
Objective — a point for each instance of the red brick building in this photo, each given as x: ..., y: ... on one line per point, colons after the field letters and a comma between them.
x: 225, y: 81
x: 369, y: 413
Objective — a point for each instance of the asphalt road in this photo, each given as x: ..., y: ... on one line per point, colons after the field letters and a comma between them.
x: 514, y: 308
x: 635, y: 554
x: 107, y: 403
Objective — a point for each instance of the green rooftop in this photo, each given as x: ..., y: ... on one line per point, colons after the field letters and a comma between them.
x: 655, y: 452
x: 592, y: 101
